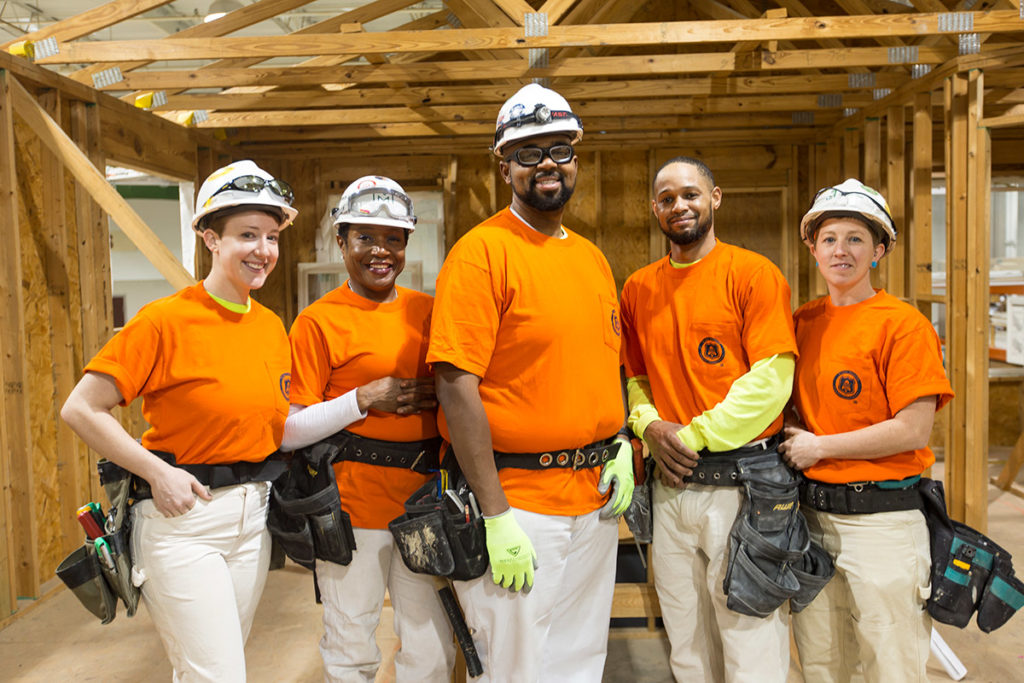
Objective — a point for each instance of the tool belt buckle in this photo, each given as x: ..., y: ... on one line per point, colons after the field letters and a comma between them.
x: 579, y: 459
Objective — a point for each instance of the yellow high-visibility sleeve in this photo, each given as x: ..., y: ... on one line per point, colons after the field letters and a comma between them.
x: 641, y: 406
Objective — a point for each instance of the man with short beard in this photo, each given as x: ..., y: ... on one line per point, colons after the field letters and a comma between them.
x: 525, y: 346
x: 709, y: 358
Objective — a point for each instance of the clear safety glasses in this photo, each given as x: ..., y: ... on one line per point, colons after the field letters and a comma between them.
x: 532, y: 156
x: 373, y: 201
x: 254, y: 184
x: 836, y: 191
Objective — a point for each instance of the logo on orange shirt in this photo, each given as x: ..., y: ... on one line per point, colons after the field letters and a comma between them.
x: 711, y: 350
x: 846, y: 384
x: 285, y: 383
x: 615, y: 323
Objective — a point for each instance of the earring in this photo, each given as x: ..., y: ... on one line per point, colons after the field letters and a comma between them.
x: 815, y: 264
x: 874, y: 264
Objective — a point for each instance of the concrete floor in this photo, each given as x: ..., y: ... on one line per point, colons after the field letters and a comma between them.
x: 57, y: 640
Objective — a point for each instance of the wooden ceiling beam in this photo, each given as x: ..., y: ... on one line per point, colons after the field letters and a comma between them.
x: 860, y: 8
x: 496, y: 94
x: 486, y: 112
x: 556, y: 10
x: 460, y: 40
x: 89, y: 21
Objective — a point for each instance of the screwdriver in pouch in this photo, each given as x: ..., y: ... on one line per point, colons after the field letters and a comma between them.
x: 88, y: 522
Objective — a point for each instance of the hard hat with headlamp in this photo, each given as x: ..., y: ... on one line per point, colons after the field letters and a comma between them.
x: 375, y: 200
x: 534, y: 110
x: 851, y: 199
x: 243, y: 183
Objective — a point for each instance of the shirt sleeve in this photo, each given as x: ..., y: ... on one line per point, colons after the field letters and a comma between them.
x: 641, y: 405
x: 130, y: 357
x: 466, y: 316
x: 311, y: 364
x: 914, y: 369
x: 632, y: 354
x: 767, y: 316
x: 753, y: 402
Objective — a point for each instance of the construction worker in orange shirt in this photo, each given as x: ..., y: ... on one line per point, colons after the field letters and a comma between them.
x: 709, y: 363
x: 525, y: 346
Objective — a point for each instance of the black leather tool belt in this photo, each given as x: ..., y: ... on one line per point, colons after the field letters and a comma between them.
x: 592, y: 455
x: 719, y: 468
x: 217, y: 476
x: 418, y: 456
x: 858, y: 499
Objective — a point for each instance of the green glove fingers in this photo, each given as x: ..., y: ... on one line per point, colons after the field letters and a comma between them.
x: 512, y: 556
x: 617, y: 474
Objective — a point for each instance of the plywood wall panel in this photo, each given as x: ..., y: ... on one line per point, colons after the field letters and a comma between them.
x: 626, y: 221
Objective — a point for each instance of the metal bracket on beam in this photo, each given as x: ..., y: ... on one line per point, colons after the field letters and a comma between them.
x: 861, y: 80
x: 905, y: 54
x: 803, y: 118
x: 538, y: 57
x: 830, y: 101
x: 920, y: 70
x: 850, y: 111
x: 881, y: 93
x: 102, y: 79
x: 968, y: 44
x: 956, y: 22
x: 47, y: 47
x: 535, y: 24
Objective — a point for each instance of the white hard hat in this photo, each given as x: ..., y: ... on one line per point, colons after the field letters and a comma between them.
x: 243, y: 183
x: 534, y: 110
x: 375, y: 200
x: 854, y: 199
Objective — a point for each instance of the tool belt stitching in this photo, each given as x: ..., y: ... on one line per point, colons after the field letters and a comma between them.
x: 419, y: 456
x: 858, y: 498
x: 591, y: 455
x: 218, y: 475
x: 719, y: 468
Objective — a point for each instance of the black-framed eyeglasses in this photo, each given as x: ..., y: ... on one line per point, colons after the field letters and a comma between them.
x: 836, y: 190
x: 562, y: 153
x: 254, y: 184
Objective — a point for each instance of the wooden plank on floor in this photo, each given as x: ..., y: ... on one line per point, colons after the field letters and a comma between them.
x: 635, y: 600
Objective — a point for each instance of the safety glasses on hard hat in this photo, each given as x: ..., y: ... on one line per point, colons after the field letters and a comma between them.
x: 561, y: 153
x: 254, y: 184
x: 373, y: 201
x: 884, y: 209
x: 541, y: 114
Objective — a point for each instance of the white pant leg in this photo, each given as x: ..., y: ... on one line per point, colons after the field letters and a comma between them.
x: 186, y: 566
x: 352, y: 598
x: 884, y: 561
x: 428, y: 649
x: 511, y: 630
x: 578, y: 637
x: 689, y: 556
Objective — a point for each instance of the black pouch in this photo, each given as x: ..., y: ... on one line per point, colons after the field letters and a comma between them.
x: 306, y: 508
x: 80, y: 571
x: 813, y: 571
x: 1002, y: 597
x: 436, y: 540
x: 639, y: 515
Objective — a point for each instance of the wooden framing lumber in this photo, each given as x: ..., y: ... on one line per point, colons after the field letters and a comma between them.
x: 895, y: 262
x: 89, y: 176
x: 90, y: 21
x: 920, y: 218
x: 664, y: 33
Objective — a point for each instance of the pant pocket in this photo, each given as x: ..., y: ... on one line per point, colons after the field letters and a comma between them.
x: 80, y: 571
x: 423, y: 543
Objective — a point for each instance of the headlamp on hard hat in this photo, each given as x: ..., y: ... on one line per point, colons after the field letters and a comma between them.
x: 540, y: 115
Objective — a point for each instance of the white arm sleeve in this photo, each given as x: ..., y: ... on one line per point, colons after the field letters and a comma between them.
x: 309, y: 424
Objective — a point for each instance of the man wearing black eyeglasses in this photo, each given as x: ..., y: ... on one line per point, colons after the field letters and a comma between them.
x: 525, y: 347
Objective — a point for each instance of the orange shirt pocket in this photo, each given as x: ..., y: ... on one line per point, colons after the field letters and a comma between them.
x: 850, y: 385
x: 715, y: 349
x: 280, y: 386
x: 611, y: 323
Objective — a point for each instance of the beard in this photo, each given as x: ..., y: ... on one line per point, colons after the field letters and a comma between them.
x: 544, y: 202
x: 688, y: 236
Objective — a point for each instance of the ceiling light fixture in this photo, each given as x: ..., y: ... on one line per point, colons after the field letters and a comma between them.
x: 218, y: 8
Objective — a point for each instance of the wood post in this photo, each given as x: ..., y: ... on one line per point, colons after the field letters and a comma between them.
x: 919, y: 221
x: 895, y: 262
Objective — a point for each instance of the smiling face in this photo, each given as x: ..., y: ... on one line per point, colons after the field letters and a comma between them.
x: 546, y: 186
x: 844, y: 249
x: 374, y: 256
x: 684, y: 203
x: 244, y: 253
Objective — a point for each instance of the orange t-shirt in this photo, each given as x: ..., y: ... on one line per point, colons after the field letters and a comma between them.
x: 343, y: 341
x: 536, y: 318
x: 694, y: 331
x: 860, y: 365
x: 214, y: 384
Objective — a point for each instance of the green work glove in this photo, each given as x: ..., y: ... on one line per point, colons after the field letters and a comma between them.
x: 512, y: 556
x: 617, y: 474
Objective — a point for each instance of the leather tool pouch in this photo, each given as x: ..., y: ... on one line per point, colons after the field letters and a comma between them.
x: 305, y: 510
x: 434, y: 539
x: 970, y: 572
x: 81, y: 572
x: 769, y: 542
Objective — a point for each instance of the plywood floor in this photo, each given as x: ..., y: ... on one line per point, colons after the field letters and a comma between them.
x: 58, y: 641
